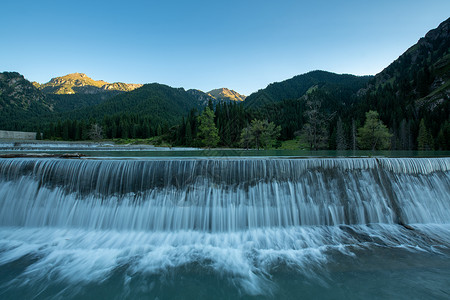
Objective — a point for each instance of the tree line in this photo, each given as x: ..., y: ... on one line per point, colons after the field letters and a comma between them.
x: 124, y: 126
x: 317, y: 120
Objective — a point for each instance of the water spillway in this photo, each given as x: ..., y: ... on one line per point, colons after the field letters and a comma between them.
x: 86, y: 219
x: 224, y: 194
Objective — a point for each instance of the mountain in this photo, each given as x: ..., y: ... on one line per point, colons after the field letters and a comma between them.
x: 297, y: 86
x: 66, y: 102
x: 415, y: 86
x: 423, y: 71
x: 162, y: 103
x: 201, y: 97
x: 16, y: 91
x: 19, y: 102
x: 225, y: 94
x: 216, y: 96
x: 82, y: 84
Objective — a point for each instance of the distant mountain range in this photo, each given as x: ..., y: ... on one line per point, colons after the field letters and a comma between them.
x: 415, y: 86
x: 80, y: 83
x: 24, y: 104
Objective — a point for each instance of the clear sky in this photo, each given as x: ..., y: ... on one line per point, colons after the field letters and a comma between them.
x: 243, y: 45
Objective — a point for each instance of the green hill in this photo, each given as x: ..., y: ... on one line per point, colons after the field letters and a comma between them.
x: 297, y: 86
x: 67, y: 102
x: 160, y: 102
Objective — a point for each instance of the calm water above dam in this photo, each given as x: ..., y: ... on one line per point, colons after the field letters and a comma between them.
x: 221, y: 228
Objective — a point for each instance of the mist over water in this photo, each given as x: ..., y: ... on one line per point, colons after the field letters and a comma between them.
x: 220, y: 228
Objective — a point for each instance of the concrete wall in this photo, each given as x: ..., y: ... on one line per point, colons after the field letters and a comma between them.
x: 17, y: 135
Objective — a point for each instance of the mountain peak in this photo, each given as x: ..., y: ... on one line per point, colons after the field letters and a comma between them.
x: 226, y: 94
x: 75, y: 76
x: 81, y: 83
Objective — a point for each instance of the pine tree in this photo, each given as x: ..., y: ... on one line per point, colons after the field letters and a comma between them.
x: 77, y: 131
x: 210, y: 105
x: 208, y: 131
x: 65, y: 130
x: 159, y: 130
x: 354, y: 136
x: 114, y: 130
x: 341, y: 144
x: 424, y: 139
x: 123, y: 125
x: 188, y: 134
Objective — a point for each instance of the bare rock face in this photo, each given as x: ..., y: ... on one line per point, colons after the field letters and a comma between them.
x: 225, y: 94
x: 200, y: 96
x: 80, y: 83
x: 218, y: 95
x: 120, y: 86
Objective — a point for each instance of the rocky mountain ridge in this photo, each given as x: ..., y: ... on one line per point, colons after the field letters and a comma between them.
x: 226, y: 95
x: 80, y: 83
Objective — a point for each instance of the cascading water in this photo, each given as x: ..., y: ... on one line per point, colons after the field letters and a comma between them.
x: 75, y: 227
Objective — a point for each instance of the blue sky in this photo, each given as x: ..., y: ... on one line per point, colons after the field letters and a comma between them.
x: 243, y: 45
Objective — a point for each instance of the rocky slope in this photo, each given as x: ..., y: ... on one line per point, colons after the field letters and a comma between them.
x: 423, y: 71
x: 217, y: 95
x: 225, y: 94
x: 80, y: 83
x: 20, y: 101
x: 201, y: 97
x: 17, y: 92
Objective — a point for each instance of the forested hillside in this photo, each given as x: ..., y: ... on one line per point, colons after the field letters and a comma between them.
x: 144, y: 112
x: 414, y: 87
x: 297, y: 86
x: 163, y: 103
x: 67, y: 102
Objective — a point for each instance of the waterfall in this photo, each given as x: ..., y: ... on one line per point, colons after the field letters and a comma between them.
x: 223, y: 195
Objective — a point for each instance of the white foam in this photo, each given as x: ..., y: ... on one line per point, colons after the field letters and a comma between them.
x: 245, y: 257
